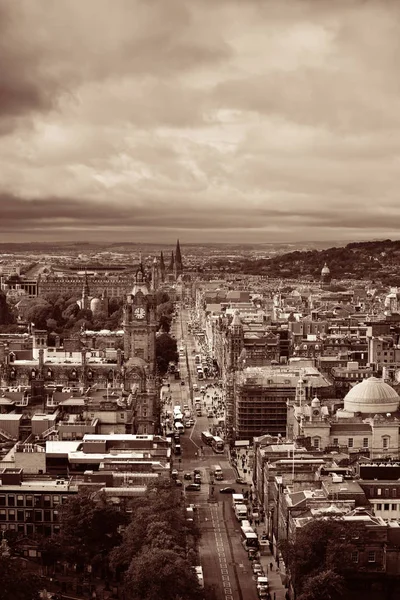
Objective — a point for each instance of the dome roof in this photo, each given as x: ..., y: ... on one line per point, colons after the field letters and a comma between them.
x: 315, y: 403
x: 325, y: 270
x: 372, y: 395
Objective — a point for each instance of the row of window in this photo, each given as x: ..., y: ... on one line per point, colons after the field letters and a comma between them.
x: 365, y: 442
x: 371, y: 557
x: 29, y: 516
x: 387, y: 507
x: 32, y: 500
x: 30, y: 529
x: 386, y: 492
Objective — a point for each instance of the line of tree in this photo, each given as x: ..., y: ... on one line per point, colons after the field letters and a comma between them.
x: 151, y: 549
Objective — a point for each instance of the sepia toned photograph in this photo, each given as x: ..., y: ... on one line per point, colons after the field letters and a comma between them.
x: 199, y: 300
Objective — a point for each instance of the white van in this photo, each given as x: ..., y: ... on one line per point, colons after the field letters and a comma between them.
x: 179, y: 428
x: 237, y: 499
x: 241, y: 512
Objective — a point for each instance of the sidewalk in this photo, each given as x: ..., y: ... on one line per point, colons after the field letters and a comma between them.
x: 277, y: 589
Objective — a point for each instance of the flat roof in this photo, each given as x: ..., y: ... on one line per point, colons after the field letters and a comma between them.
x: 61, y: 447
x: 10, y: 417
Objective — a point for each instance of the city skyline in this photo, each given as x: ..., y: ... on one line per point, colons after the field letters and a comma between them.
x: 211, y: 121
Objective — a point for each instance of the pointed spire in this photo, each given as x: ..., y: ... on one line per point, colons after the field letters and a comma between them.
x: 85, y: 290
x: 162, y: 267
x: 172, y: 262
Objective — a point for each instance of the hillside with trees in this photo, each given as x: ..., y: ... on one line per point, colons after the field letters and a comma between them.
x: 375, y: 260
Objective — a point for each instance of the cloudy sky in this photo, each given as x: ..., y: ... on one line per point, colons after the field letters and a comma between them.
x: 207, y: 120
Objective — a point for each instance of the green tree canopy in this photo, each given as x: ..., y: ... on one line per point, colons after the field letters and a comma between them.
x: 161, y: 574
x: 323, y: 545
x: 166, y: 351
x: 90, y: 526
x: 15, y: 582
x: 327, y: 585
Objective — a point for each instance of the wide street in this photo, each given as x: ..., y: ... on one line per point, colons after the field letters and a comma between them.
x: 227, y: 570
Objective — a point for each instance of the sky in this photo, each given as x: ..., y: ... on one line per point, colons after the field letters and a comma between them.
x: 207, y: 120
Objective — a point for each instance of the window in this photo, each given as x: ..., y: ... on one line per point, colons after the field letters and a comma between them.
x: 316, y: 442
x: 56, y: 500
x: 371, y: 556
x: 379, y: 492
x: 11, y: 515
x: 385, y: 442
x: 394, y: 506
x: 2, y: 500
x: 386, y: 507
x: 2, y: 515
x: 11, y: 500
x: 354, y: 556
x: 46, y: 501
x: 394, y: 493
x: 29, y: 500
x: 336, y: 441
x: 365, y: 442
x: 386, y: 492
x: 20, y: 500
x: 350, y: 442
x: 38, y: 500
x: 378, y: 506
x: 20, y: 516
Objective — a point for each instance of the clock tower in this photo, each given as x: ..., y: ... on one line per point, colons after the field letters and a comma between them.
x: 140, y: 322
x: 140, y: 325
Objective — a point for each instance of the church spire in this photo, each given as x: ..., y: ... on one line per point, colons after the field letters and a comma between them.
x: 162, y: 266
x: 172, y: 262
x: 178, y: 260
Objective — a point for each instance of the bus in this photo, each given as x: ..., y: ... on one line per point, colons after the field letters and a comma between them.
x: 217, y: 444
x: 179, y: 427
x: 218, y: 474
x: 206, y: 438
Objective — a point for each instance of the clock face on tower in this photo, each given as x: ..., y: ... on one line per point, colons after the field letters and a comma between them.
x: 140, y: 313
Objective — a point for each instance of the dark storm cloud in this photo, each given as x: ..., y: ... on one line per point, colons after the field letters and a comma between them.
x: 211, y: 116
x: 22, y: 87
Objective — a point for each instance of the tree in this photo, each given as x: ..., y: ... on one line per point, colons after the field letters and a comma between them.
x: 6, y: 314
x: 15, y: 582
x: 166, y: 352
x: 90, y: 526
x: 161, y: 573
x: 328, y: 585
x: 322, y: 545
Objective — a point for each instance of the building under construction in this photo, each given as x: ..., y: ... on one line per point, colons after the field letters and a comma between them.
x: 261, y: 396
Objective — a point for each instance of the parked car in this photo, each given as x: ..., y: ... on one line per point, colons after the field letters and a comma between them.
x: 227, y: 490
x: 174, y: 474
x: 187, y: 476
x: 178, y: 482
x: 193, y: 487
x: 257, y: 569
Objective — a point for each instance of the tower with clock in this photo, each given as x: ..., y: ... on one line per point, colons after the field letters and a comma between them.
x: 140, y: 325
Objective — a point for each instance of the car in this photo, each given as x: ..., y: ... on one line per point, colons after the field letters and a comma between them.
x: 197, y: 478
x: 178, y: 482
x: 187, y: 476
x: 227, y: 490
x: 174, y: 474
x: 241, y: 480
x: 193, y: 487
x: 185, y: 407
x: 197, y: 471
x: 190, y: 422
x: 257, y: 569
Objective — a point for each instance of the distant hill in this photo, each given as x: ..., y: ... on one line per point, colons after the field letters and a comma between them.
x: 378, y: 260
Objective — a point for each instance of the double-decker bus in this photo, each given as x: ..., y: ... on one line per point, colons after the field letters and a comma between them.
x: 207, y: 438
x: 218, y: 474
x: 217, y: 444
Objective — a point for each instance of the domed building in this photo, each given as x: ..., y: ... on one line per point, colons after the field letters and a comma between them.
x: 368, y: 423
x: 326, y: 276
x: 372, y: 396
